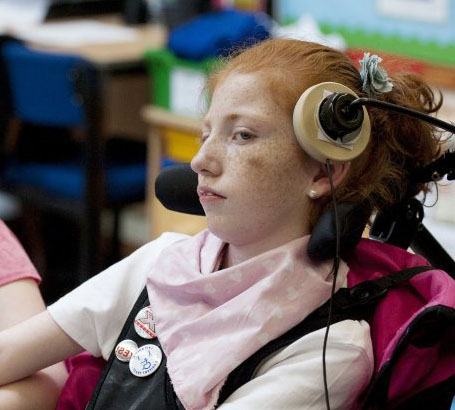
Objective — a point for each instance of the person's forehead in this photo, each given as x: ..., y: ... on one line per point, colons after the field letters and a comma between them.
x: 249, y: 83
x: 238, y: 114
x: 243, y: 95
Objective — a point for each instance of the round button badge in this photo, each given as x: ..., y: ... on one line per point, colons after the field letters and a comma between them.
x: 125, y: 350
x: 145, y: 360
x: 144, y: 323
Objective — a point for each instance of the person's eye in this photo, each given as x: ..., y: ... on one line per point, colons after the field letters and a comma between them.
x: 204, y: 137
x: 243, y: 136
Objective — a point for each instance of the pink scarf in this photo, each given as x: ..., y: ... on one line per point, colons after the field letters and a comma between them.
x: 210, y: 322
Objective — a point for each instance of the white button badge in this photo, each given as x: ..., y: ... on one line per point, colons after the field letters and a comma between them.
x: 145, y: 360
x: 144, y: 324
x: 125, y: 349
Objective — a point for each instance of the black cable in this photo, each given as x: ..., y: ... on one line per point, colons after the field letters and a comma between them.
x: 336, y: 264
x: 405, y: 111
x: 435, y: 201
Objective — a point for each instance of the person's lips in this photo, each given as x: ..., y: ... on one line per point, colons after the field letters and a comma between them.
x: 207, y: 194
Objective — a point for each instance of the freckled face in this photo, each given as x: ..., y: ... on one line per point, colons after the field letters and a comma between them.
x: 253, y: 175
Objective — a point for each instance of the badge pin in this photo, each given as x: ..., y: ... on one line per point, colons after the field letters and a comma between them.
x: 145, y: 360
x: 144, y: 323
x: 125, y: 350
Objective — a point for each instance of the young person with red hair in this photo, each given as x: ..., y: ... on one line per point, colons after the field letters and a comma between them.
x: 220, y: 296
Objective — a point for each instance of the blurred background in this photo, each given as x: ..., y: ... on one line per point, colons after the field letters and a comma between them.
x: 96, y: 96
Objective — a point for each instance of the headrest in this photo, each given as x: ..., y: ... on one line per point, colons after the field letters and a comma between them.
x: 175, y: 188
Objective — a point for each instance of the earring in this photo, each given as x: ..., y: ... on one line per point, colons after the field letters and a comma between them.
x: 313, y: 194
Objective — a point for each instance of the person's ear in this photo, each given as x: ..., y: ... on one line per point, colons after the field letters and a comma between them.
x: 320, y: 185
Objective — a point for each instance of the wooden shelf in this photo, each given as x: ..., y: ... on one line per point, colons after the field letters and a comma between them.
x: 161, y: 219
x: 161, y: 117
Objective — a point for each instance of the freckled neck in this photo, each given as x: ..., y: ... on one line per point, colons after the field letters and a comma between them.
x: 235, y: 254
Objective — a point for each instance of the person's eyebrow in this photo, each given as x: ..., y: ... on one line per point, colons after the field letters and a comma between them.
x: 235, y: 116
x: 258, y: 118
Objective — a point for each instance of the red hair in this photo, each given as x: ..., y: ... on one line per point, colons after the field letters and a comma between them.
x: 379, y: 177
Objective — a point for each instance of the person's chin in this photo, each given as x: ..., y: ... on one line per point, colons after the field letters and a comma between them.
x: 225, y: 230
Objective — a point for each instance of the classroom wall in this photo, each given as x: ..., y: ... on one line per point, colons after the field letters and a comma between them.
x: 363, y: 26
x: 361, y: 21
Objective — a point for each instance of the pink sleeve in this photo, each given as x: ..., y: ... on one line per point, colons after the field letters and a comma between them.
x: 14, y: 262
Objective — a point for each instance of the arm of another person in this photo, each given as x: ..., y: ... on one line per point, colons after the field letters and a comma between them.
x: 38, y: 343
x: 19, y: 299
x: 292, y: 379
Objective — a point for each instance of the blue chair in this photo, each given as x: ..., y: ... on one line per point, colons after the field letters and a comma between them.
x: 61, y: 93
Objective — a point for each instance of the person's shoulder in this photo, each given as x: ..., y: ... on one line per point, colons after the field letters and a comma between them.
x: 6, y: 236
x: 136, y: 266
x: 352, y: 334
x: 143, y: 257
x: 15, y: 264
x: 157, y: 245
x: 4, y: 231
x: 349, y: 350
x: 349, y: 336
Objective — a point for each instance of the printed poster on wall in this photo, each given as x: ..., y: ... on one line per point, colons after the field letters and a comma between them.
x: 430, y: 11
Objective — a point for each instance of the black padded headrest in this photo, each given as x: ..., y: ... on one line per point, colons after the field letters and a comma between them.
x: 175, y: 187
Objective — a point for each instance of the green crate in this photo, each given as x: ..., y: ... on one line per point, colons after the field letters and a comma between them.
x: 162, y: 64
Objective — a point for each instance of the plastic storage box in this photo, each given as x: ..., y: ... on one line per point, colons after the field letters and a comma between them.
x: 178, y: 84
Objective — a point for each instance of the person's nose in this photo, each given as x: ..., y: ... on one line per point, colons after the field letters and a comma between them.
x: 208, y: 160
